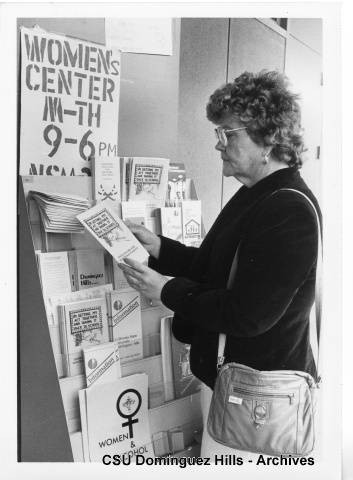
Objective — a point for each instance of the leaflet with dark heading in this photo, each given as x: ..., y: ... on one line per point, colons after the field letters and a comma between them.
x: 112, y: 233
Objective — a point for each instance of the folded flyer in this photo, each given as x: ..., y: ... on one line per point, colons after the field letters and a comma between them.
x: 112, y: 233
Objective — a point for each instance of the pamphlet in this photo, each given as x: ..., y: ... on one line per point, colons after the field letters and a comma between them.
x: 176, y: 185
x: 125, y: 327
x: 106, y: 177
x: 69, y: 297
x: 191, y: 215
x: 149, y: 182
x: 114, y: 419
x: 102, y: 363
x: 171, y: 223
x: 134, y: 211
x: 120, y: 282
x: 86, y: 268
x: 111, y: 232
x: 54, y: 275
x: 82, y: 324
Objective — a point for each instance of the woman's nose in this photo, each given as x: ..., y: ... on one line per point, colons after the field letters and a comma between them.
x: 220, y: 147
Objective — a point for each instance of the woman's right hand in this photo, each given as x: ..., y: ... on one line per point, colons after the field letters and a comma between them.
x: 148, y: 239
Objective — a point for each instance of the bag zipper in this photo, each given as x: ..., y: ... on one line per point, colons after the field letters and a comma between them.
x: 263, y: 394
x: 273, y: 374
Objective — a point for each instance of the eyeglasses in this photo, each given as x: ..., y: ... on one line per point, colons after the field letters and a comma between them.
x: 222, y: 134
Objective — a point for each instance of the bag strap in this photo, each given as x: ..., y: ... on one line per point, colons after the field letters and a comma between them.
x: 318, y: 278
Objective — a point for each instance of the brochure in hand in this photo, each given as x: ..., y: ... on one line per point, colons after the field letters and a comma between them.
x: 112, y: 233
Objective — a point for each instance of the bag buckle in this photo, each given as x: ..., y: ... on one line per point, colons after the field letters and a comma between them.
x: 260, y: 415
x: 220, y: 361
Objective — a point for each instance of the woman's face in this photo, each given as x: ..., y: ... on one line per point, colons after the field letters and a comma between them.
x: 242, y: 157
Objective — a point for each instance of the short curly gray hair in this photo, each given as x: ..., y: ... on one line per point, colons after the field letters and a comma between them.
x: 271, y: 113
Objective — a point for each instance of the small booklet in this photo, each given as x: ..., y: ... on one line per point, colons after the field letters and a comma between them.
x: 171, y: 223
x: 152, y: 366
x: 111, y: 232
x: 149, y: 182
x: 125, y: 172
x: 115, y: 421
x: 191, y: 215
x: 69, y: 297
x: 134, y: 211
x: 82, y: 324
x: 86, y: 268
x: 176, y: 185
x: 124, y: 313
x: 120, y: 282
x: 54, y: 275
x: 106, y: 179
x: 102, y: 363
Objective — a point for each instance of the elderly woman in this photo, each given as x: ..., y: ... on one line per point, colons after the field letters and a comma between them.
x: 265, y: 313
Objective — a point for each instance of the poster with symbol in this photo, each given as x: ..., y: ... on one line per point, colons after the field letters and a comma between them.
x: 116, y: 419
x: 69, y: 104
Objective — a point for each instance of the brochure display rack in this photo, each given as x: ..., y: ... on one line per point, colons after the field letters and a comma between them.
x: 57, y: 413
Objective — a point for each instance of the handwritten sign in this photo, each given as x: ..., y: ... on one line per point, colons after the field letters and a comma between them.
x: 69, y: 103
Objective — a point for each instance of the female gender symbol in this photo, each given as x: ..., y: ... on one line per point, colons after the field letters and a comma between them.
x: 126, y: 407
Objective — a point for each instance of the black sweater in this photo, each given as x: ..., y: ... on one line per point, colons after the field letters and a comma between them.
x: 266, y: 312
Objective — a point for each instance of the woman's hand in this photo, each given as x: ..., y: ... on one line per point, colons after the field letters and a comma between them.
x: 149, y: 240
x: 143, y: 279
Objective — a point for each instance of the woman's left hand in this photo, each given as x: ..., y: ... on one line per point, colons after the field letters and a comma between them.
x: 143, y: 279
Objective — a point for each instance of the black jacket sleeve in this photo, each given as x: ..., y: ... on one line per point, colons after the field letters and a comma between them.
x: 275, y: 258
x: 174, y: 259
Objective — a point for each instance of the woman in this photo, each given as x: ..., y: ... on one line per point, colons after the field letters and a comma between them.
x: 265, y: 314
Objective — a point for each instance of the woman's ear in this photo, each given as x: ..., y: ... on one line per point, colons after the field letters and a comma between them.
x: 266, y: 155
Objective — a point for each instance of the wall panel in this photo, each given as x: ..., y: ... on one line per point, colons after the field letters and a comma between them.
x: 306, y: 81
x: 203, y: 66
x: 148, y: 114
x: 308, y: 31
x: 253, y: 46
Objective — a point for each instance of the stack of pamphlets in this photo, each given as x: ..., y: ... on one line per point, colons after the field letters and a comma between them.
x: 58, y: 211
